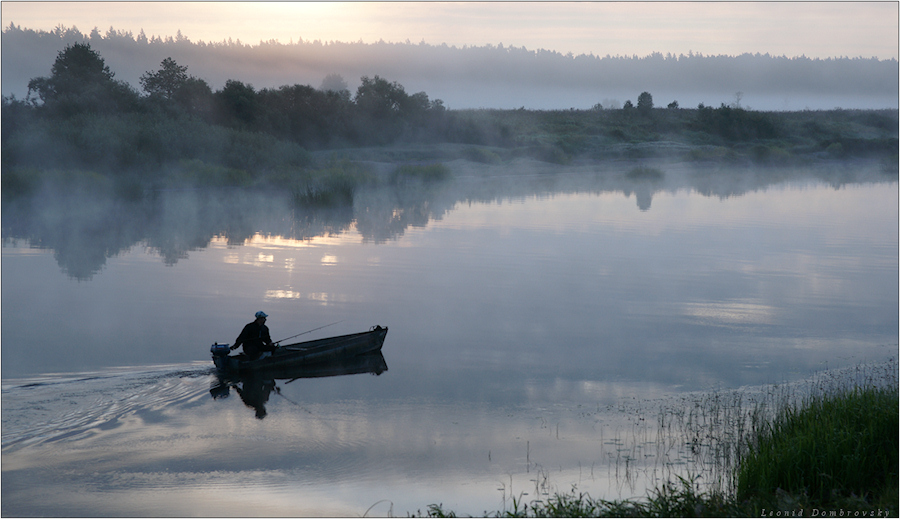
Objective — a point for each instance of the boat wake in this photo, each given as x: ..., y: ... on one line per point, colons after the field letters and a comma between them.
x: 51, y: 408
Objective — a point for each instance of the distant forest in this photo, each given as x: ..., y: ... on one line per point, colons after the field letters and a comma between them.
x: 490, y: 76
x: 80, y: 120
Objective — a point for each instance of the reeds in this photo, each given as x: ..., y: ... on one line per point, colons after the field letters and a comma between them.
x: 832, y: 451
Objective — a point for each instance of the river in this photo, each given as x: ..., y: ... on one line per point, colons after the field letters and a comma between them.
x: 539, y: 317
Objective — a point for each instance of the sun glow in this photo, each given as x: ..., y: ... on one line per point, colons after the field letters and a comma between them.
x: 813, y: 29
x: 263, y: 241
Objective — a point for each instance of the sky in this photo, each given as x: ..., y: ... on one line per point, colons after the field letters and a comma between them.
x: 813, y: 29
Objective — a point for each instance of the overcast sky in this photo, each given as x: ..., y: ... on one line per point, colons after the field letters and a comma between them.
x: 813, y: 29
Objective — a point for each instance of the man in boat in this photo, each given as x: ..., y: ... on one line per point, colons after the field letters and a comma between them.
x: 255, y: 338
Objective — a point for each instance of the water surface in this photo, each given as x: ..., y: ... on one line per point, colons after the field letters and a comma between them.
x: 537, y: 321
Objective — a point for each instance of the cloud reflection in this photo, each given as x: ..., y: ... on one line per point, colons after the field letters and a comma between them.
x: 722, y: 313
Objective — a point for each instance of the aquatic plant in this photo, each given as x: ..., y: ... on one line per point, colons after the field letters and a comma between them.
x: 330, y: 186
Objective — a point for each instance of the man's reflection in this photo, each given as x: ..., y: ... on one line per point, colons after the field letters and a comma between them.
x: 254, y: 391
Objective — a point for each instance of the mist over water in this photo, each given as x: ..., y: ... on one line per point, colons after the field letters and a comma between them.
x: 85, y: 230
x: 558, y: 285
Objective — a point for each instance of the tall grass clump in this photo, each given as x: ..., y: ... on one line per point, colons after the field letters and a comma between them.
x: 679, y: 498
x: 332, y: 186
x: 837, y: 450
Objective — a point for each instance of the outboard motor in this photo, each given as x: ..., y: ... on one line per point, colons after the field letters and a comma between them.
x: 219, y: 350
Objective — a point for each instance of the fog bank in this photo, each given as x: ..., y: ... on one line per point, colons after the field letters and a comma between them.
x: 479, y: 77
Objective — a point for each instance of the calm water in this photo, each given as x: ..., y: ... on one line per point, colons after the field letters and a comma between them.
x: 538, y: 319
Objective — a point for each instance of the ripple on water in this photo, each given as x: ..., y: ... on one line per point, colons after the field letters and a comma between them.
x: 68, y: 407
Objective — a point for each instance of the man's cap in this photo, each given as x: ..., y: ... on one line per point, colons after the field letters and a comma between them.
x: 261, y: 314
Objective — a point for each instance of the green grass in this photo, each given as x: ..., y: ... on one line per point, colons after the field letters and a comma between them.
x: 674, y: 499
x: 832, y: 452
x: 753, y: 137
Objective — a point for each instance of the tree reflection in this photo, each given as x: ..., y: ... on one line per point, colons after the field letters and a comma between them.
x: 84, y: 230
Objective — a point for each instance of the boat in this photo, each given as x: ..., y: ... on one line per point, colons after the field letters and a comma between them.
x: 331, y: 350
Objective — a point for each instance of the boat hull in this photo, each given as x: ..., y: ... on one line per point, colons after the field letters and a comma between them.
x: 321, y: 351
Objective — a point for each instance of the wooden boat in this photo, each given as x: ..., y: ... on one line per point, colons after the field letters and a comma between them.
x: 320, y: 351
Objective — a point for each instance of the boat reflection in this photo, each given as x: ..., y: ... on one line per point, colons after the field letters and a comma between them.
x: 255, y: 387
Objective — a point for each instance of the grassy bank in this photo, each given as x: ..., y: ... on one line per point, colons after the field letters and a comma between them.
x: 135, y: 152
x: 153, y: 149
x: 832, y: 452
x: 178, y: 132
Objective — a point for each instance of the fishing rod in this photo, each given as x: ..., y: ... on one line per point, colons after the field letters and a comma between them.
x: 310, y: 331
x: 278, y: 392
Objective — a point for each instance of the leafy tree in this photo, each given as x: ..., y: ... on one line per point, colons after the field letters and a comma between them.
x: 385, y: 112
x: 673, y: 105
x: 437, y: 106
x: 16, y: 117
x: 194, y: 97
x: 381, y: 107
x: 627, y: 106
x: 172, y: 86
x: 303, y: 114
x: 416, y: 106
x: 645, y: 102
x: 237, y: 103
x: 166, y: 81
x: 379, y: 98
x: 76, y: 66
x: 334, y: 83
x: 80, y: 81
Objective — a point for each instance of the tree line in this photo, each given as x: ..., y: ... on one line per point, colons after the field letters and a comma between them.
x: 80, y: 117
x: 379, y: 113
x: 474, y: 76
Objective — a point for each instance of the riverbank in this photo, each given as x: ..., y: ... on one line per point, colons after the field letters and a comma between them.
x: 80, y: 123
x: 148, y: 148
x: 831, y: 452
